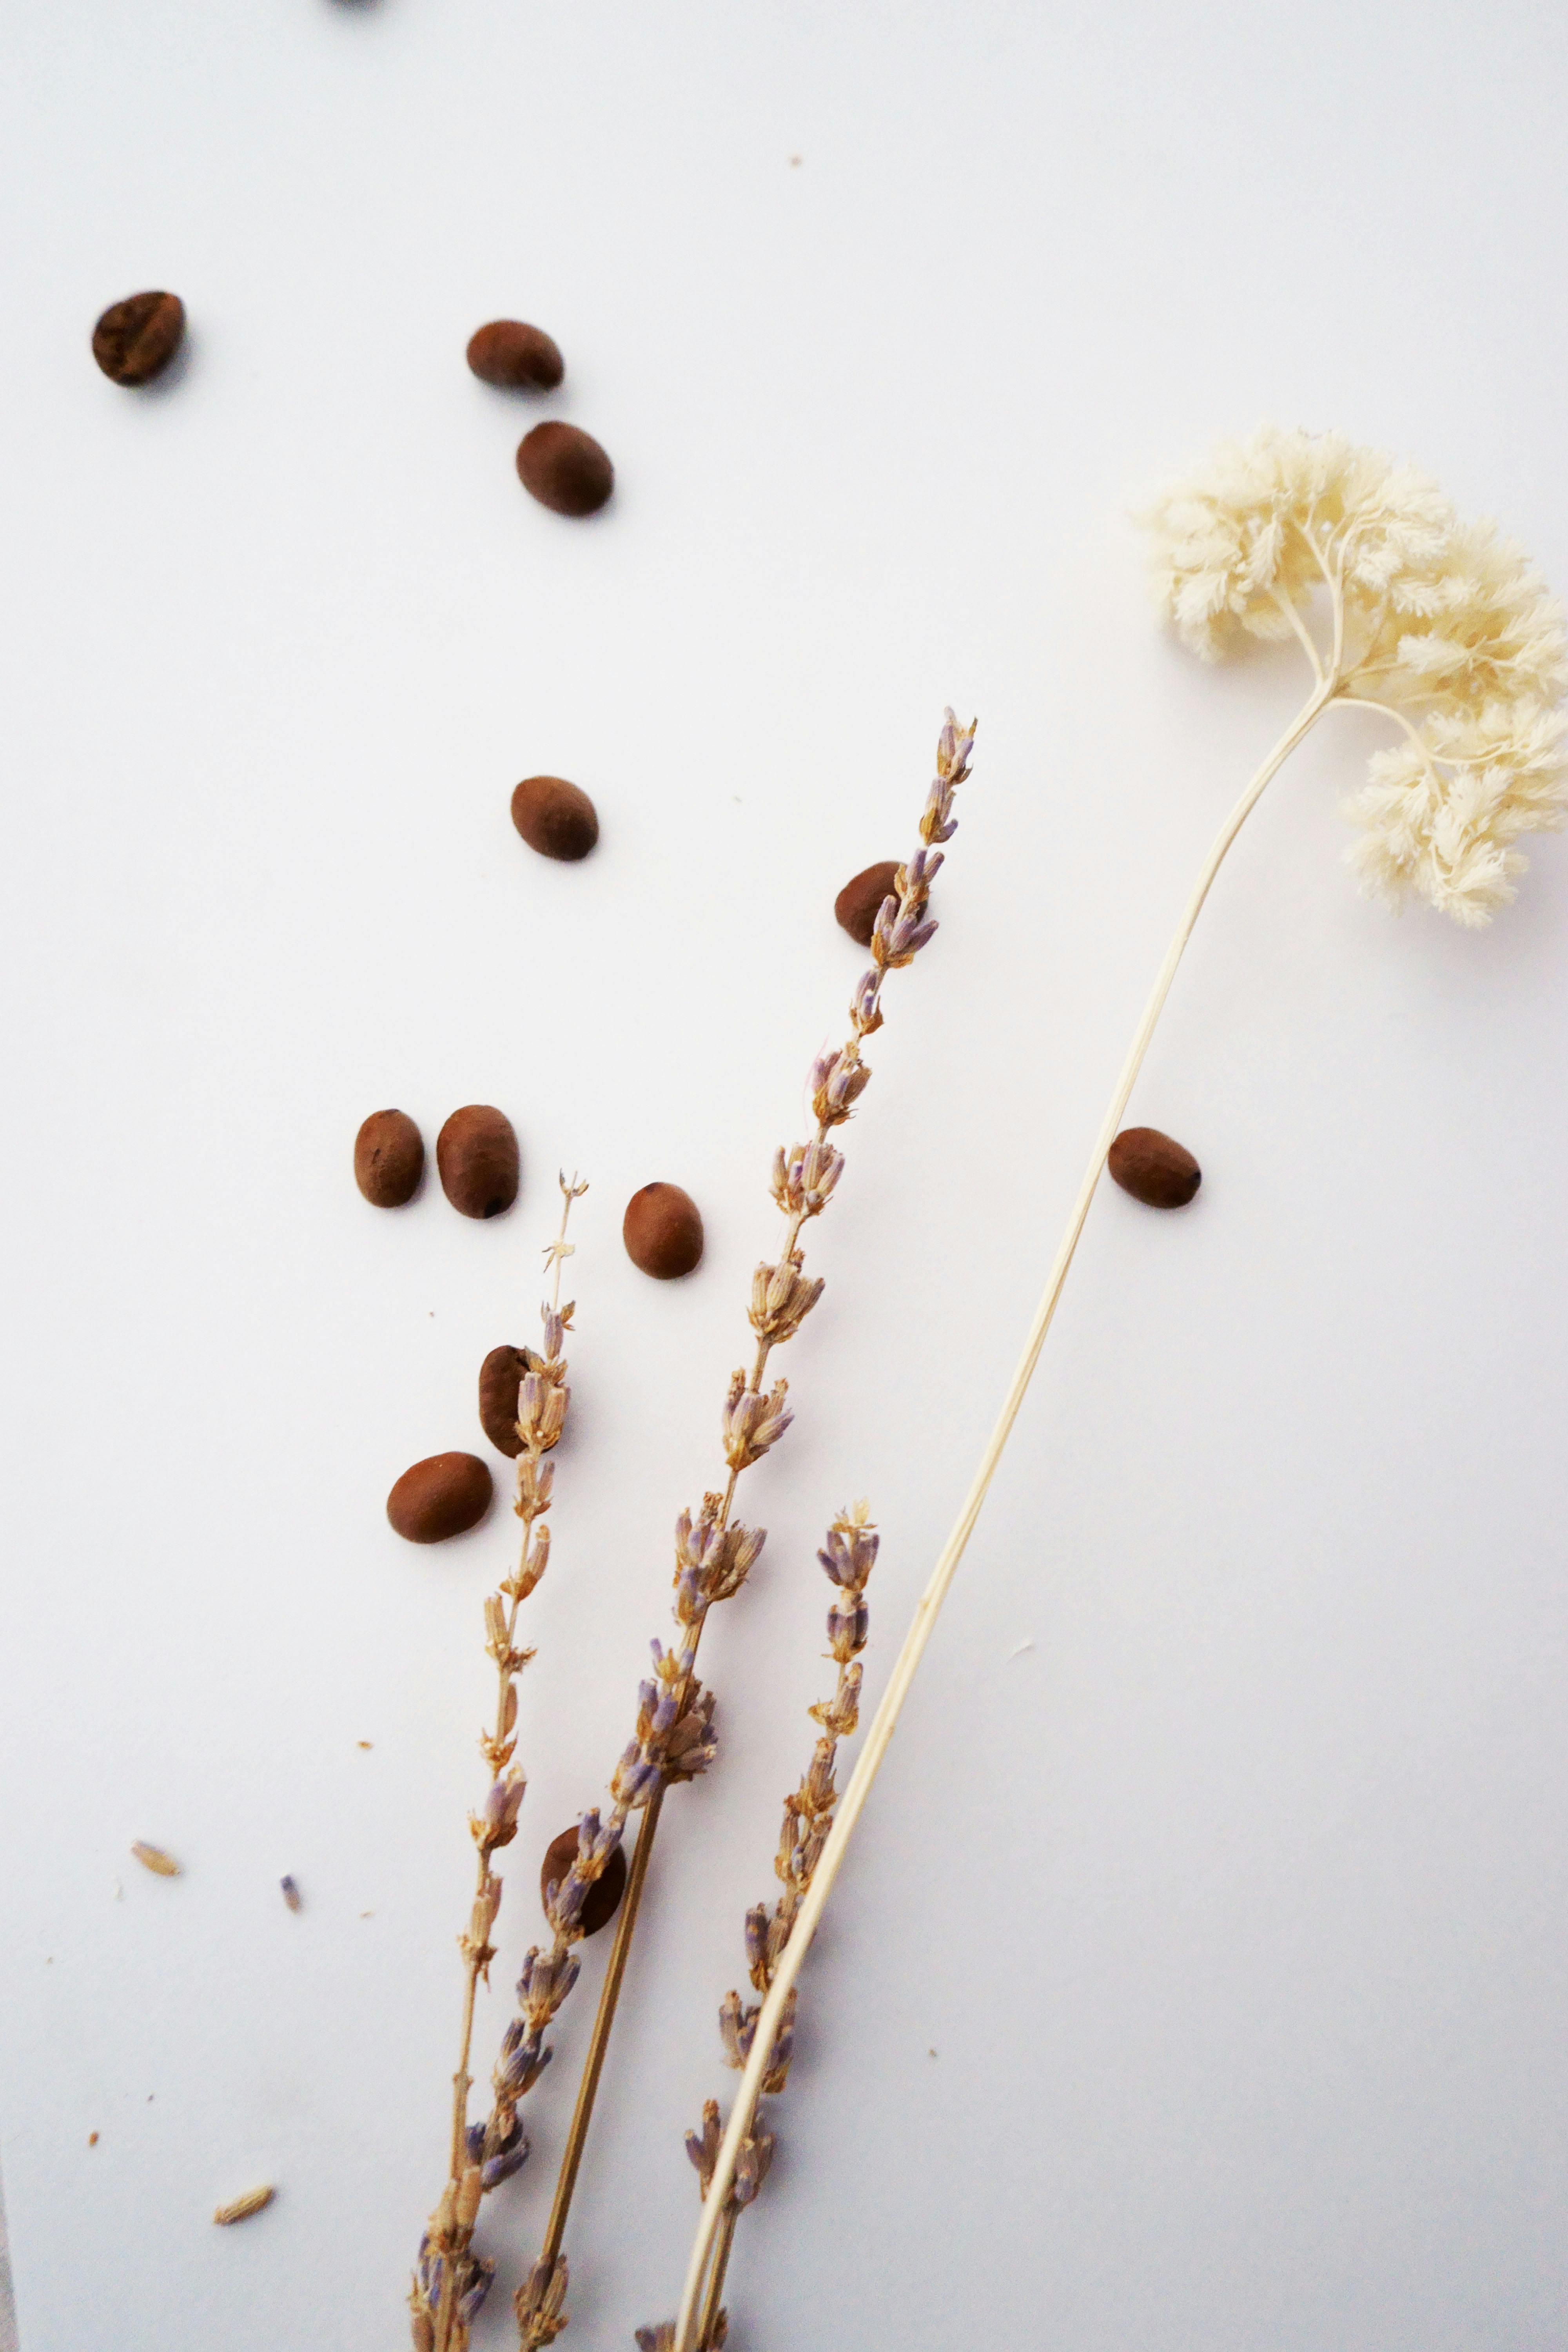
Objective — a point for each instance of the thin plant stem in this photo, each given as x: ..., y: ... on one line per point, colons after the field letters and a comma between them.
x: 712, y: 2301
x: 599, y: 2040
x: 906, y: 1663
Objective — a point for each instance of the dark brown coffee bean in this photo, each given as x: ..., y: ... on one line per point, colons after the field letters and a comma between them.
x: 603, y: 1899
x: 554, y: 817
x: 501, y: 1376
x: 1154, y: 1167
x: 565, y: 470
x: 135, y: 340
x: 477, y: 1160
x: 440, y: 1496
x: 858, y: 903
x: 662, y: 1231
x: 518, y: 357
x: 389, y: 1159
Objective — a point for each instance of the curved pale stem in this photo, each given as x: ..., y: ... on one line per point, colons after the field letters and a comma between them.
x: 907, y: 1665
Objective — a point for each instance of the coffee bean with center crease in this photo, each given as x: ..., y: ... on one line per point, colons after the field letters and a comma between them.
x: 135, y: 340
x: 662, y: 1231
x: 500, y: 1377
x: 858, y: 903
x: 564, y: 468
x: 554, y: 817
x: 442, y: 1496
x: 517, y: 357
x: 603, y: 1899
x: 389, y: 1159
x: 477, y: 1160
x: 1154, y: 1167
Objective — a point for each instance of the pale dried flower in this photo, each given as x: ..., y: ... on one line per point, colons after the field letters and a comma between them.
x: 1444, y: 627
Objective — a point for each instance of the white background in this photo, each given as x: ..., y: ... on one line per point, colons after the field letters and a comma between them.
x: 1199, y: 1979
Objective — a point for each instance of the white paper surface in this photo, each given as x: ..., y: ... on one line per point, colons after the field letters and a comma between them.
x: 1199, y: 1978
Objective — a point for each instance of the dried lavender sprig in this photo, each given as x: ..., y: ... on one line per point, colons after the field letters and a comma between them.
x: 847, y: 1558
x: 451, y: 2281
x: 803, y: 1178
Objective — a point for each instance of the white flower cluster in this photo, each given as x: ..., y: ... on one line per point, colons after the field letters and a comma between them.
x: 1442, y: 625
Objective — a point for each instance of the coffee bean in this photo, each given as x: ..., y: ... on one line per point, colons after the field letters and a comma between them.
x: 565, y: 470
x: 518, y: 357
x: 858, y: 904
x: 389, y: 1159
x: 1154, y: 1167
x: 662, y: 1231
x: 554, y: 817
x: 477, y: 1160
x: 501, y: 1376
x: 603, y: 1899
x: 440, y: 1496
x: 135, y: 340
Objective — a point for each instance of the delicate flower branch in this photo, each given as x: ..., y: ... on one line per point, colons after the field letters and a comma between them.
x: 674, y: 1737
x: 849, y: 1556
x: 1442, y: 627
x: 451, y: 2282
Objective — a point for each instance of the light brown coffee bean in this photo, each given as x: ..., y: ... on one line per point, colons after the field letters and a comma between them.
x: 603, y: 1899
x: 662, y: 1231
x: 477, y: 1160
x: 516, y: 357
x: 440, y: 1496
x: 564, y: 468
x: 389, y: 1159
x: 135, y: 340
x: 858, y: 903
x: 501, y: 1376
x: 554, y: 817
x: 1154, y: 1167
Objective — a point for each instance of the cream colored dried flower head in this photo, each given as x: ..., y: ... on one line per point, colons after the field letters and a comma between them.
x: 1443, y: 625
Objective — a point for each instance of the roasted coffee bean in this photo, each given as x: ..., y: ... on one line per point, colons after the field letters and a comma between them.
x: 389, y: 1159
x: 501, y: 1376
x: 858, y: 904
x: 135, y: 340
x: 554, y: 817
x: 440, y: 1496
x: 565, y: 470
x: 518, y: 357
x: 1154, y: 1167
x: 603, y: 1899
x: 477, y: 1160
x: 662, y: 1231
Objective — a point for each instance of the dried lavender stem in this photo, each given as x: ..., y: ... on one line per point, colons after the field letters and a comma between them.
x: 804, y: 1178
x: 451, y: 2281
x: 462, y: 2082
x: 907, y: 1665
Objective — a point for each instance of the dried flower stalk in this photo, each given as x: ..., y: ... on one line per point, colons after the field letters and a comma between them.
x: 674, y: 1737
x: 451, y: 2282
x: 848, y: 1558
x: 1439, y: 627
